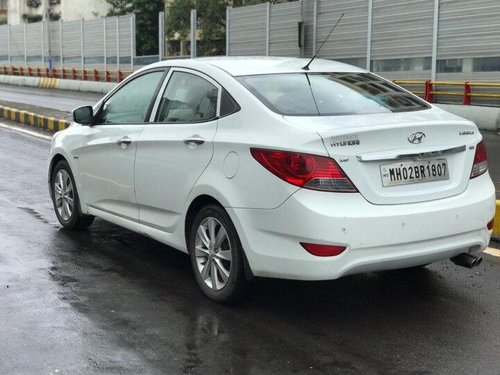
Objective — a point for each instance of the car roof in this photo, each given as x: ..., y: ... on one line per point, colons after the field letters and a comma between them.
x: 239, y: 66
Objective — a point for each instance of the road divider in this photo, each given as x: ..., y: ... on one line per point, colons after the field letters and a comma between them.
x: 33, y: 119
x: 48, y: 83
x: 57, y: 83
x: 496, y: 224
x: 486, y: 118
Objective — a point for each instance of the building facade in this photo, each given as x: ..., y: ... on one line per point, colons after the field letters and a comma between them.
x: 20, y: 11
x: 3, y: 11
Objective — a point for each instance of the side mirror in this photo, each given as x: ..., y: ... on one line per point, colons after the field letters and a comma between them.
x: 83, y: 115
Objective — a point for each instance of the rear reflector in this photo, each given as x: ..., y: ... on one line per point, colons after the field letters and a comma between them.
x: 490, y: 224
x: 305, y: 170
x: 480, y: 161
x: 323, y: 250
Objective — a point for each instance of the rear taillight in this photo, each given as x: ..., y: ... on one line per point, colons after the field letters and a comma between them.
x: 480, y: 161
x: 305, y: 170
x: 323, y: 250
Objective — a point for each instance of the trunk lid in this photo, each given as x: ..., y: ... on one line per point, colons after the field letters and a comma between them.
x: 400, y: 158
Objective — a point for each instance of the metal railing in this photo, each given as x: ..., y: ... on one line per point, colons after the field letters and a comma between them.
x: 67, y: 73
x: 467, y: 92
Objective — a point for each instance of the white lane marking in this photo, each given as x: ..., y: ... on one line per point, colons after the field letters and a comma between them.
x: 26, y: 131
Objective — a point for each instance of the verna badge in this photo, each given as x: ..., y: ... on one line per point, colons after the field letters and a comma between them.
x: 416, y: 138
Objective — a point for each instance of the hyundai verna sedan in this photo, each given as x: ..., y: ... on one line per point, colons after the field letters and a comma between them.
x: 259, y: 167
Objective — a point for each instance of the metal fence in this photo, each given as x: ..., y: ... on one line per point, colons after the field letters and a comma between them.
x: 98, y: 43
x: 421, y: 39
x: 274, y: 30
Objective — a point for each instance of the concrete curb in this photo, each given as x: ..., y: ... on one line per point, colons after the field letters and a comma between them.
x: 57, y: 83
x: 496, y: 224
x: 493, y: 255
x: 486, y: 118
x: 33, y: 119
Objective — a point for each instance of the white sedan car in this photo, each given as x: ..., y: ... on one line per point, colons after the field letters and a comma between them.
x: 259, y: 167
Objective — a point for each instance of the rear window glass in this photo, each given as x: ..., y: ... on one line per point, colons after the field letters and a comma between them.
x: 330, y: 94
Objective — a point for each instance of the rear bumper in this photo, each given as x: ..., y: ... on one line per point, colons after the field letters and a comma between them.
x: 377, y: 237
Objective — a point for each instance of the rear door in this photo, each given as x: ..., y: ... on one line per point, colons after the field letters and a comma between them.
x: 174, y: 151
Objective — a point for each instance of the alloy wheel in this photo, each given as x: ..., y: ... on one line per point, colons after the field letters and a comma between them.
x: 213, y: 253
x: 64, y: 195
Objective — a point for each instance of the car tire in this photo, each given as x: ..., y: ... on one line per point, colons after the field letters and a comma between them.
x: 217, y: 255
x: 65, y: 198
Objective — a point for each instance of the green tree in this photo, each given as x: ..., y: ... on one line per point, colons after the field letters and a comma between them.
x: 146, y: 18
x: 211, y: 21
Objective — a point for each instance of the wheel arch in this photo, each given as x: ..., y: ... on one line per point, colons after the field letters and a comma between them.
x: 53, y: 162
x: 199, y: 202
x: 195, y: 206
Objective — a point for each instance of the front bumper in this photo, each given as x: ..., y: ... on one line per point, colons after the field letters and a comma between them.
x: 377, y: 237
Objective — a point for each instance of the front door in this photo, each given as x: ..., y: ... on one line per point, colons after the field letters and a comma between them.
x: 107, y: 155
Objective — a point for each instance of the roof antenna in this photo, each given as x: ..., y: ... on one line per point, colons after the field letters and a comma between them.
x: 322, y: 44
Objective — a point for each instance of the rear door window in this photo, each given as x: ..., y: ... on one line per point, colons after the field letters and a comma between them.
x: 188, y: 98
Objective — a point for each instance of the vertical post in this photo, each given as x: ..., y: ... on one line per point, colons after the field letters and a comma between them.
x: 117, y: 43
x: 369, y: 36
x: 301, y: 38
x: 105, y: 37
x: 429, y: 91
x: 435, y: 30
x: 82, y: 43
x: 25, y: 47
x: 228, y: 27
x: 9, y: 49
x: 268, y: 27
x: 315, y: 27
x: 467, y: 92
x: 42, y: 24
x: 61, y: 53
x: 161, y: 35
x: 132, y: 41
x: 45, y: 17
x: 193, y: 32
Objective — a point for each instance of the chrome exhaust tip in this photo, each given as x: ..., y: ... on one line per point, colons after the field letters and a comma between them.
x: 467, y: 260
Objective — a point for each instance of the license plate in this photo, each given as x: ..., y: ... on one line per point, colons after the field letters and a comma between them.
x: 413, y: 172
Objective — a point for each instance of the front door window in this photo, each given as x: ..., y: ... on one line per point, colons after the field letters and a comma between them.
x: 131, y: 103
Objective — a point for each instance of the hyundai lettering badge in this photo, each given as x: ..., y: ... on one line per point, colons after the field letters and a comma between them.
x: 416, y: 138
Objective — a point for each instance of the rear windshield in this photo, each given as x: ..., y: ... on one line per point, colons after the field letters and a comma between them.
x: 330, y: 94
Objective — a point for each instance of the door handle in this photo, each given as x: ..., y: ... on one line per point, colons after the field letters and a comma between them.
x: 194, y: 140
x: 125, y: 141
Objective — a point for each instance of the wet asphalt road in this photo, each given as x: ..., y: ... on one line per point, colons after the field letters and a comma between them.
x: 109, y: 301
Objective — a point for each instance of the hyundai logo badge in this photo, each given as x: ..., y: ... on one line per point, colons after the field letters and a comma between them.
x: 416, y: 138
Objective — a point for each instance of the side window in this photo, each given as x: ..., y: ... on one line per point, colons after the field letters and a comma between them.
x: 228, y: 105
x: 130, y: 104
x: 188, y: 98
